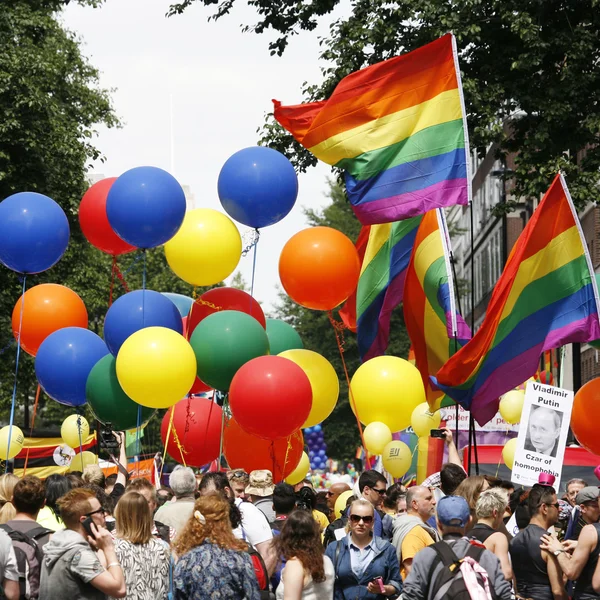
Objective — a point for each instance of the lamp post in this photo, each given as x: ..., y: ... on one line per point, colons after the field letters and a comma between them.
x: 503, y: 174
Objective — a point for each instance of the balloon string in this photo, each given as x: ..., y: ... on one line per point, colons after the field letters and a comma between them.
x: 113, y: 272
x: 287, y: 452
x: 254, y: 240
x: 253, y: 269
x: 137, y: 438
x: 338, y: 328
x: 222, y: 432
x: 35, y: 405
x: 167, y: 438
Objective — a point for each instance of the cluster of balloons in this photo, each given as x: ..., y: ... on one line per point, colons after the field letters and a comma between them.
x: 584, y: 415
x: 317, y: 448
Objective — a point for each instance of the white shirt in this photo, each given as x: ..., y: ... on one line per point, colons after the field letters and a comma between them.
x: 255, y: 528
x: 8, y: 560
x: 312, y: 590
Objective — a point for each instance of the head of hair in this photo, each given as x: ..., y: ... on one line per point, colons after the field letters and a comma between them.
x: 470, y: 489
x: 210, y: 522
x: 361, y: 502
x: 110, y: 480
x: 166, y: 496
x: 284, y: 498
x: 134, y: 519
x: 489, y: 501
x: 393, y: 494
x: 451, y: 476
x: 73, y: 505
x: 370, y: 479
x: 76, y: 479
x: 300, y: 538
x: 539, y: 495
x: 306, y: 499
x: 412, y: 493
x: 106, y: 502
x: 136, y: 485
x: 7, y: 486
x: 29, y: 495
x: 576, y: 480
x: 94, y: 474
x: 238, y: 475
x: 509, y: 486
x: 220, y: 484
x: 56, y: 487
x: 182, y: 481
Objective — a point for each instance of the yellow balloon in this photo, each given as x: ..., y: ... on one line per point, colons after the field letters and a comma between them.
x: 511, y: 406
x: 17, y: 439
x: 396, y: 458
x: 299, y: 473
x: 74, y: 430
x: 340, y: 503
x: 377, y: 436
x: 387, y: 389
x: 508, y: 452
x: 81, y: 460
x: 206, y: 249
x: 323, y: 380
x: 156, y: 367
x: 423, y: 421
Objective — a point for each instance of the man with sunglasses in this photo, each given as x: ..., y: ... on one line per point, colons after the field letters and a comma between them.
x: 334, y: 492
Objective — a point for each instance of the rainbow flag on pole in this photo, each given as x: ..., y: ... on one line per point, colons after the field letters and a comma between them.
x: 397, y: 129
x: 546, y: 297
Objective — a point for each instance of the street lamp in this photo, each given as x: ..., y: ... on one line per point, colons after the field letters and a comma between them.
x: 503, y: 174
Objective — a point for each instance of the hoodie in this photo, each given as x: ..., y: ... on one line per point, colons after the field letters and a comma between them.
x: 69, y: 565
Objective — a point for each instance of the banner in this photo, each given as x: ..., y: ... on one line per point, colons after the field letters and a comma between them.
x: 497, y: 423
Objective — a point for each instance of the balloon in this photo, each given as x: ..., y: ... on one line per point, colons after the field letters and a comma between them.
x: 34, y: 232
x: 223, y: 342
x: 137, y: 310
x: 17, y: 439
x: 64, y: 361
x: 146, y: 206
x: 197, y: 427
x: 387, y: 389
x: 183, y: 303
x: 585, y: 415
x: 270, y: 397
x: 319, y: 268
x: 47, y: 308
x: 82, y: 460
x: 511, y: 406
x: 74, y: 430
x: 423, y: 421
x: 94, y: 221
x: 299, y: 473
x: 199, y: 387
x: 323, y: 381
x: 376, y: 435
x: 220, y: 299
x: 282, y: 337
x: 396, y: 458
x: 245, y: 451
x: 108, y: 401
x: 341, y: 502
x: 508, y: 452
x: 156, y: 367
x: 257, y: 186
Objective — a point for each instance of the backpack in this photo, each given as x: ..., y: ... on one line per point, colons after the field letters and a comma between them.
x: 461, y: 578
x: 260, y: 570
x: 29, y: 557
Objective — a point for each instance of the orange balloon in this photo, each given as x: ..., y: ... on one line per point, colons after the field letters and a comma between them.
x: 319, y: 268
x: 48, y: 307
x: 586, y: 415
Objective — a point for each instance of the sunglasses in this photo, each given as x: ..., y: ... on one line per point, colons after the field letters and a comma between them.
x: 380, y: 492
x: 237, y: 475
x: 556, y: 505
x: 358, y: 518
x: 96, y: 512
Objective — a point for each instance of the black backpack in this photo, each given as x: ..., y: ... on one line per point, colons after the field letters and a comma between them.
x: 28, y: 553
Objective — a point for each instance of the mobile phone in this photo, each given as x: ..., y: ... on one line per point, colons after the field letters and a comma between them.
x: 378, y: 581
x: 437, y: 433
x: 87, y: 525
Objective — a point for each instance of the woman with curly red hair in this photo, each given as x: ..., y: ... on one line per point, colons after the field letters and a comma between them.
x: 212, y: 561
x: 308, y: 574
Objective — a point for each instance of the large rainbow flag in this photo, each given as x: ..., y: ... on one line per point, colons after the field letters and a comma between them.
x: 398, y: 130
x: 546, y: 297
x: 435, y: 327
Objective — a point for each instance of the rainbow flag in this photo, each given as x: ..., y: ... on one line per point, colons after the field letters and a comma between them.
x: 397, y: 129
x: 435, y: 328
x: 545, y: 298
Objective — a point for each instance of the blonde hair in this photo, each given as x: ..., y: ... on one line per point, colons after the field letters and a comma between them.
x: 470, y: 489
x: 7, y: 486
x: 489, y: 501
x: 358, y: 502
x: 94, y: 474
x: 134, y: 519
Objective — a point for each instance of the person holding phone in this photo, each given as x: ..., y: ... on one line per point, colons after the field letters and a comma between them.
x: 366, y: 566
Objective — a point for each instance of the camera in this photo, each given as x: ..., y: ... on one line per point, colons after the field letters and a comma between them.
x: 437, y: 433
x: 108, y: 441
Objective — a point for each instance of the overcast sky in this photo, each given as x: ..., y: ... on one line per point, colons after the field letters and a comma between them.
x: 221, y: 82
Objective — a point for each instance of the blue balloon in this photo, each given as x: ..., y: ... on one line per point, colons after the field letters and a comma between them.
x: 308, y: 431
x: 321, y: 452
x: 64, y: 361
x: 34, y: 232
x: 145, y: 206
x: 183, y: 303
x: 311, y: 454
x: 257, y: 186
x: 317, y: 428
x: 135, y: 311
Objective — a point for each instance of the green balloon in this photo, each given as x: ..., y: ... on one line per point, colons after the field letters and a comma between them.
x: 108, y: 401
x: 223, y: 342
x: 282, y: 337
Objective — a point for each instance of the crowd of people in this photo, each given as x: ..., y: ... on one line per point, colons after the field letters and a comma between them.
x: 238, y: 535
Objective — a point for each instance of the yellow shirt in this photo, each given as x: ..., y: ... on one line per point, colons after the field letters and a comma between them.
x: 321, y: 519
x: 416, y: 539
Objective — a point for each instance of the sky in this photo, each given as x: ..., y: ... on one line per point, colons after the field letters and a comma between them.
x: 190, y: 93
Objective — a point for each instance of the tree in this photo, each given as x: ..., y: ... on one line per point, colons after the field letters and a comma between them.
x: 532, y: 63
x: 317, y: 333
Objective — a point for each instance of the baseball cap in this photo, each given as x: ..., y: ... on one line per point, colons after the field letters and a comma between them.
x: 453, y: 511
x: 587, y: 494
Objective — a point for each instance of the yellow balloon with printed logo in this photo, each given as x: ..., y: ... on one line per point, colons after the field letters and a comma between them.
x: 511, y: 406
x: 74, y: 430
x: 377, y: 436
x: 206, y: 249
x: 82, y: 460
x: 387, y: 389
x: 396, y: 458
x: 423, y: 421
x: 156, y: 367
x: 323, y: 381
x: 508, y: 452
x: 17, y: 439
x: 299, y: 473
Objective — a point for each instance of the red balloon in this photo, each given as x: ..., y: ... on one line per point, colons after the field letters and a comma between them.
x: 586, y: 415
x: 199, y: 386
x: 224, y: 298
x: 94, y: 222
x: 197, y: 428
x: 270, y: 397
x: 245, y: 451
